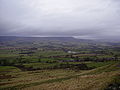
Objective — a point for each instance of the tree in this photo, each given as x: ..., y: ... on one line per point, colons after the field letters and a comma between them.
x: 39, y: 58
x: 20, y: 59
x: 4, y: 62
x: 116, y: 57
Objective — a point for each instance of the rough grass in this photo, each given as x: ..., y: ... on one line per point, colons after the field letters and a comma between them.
x: 91, y: 82
x: 99, y: 64
x: 88, y: 80
x: 95, y: 79
x: 30, y: 78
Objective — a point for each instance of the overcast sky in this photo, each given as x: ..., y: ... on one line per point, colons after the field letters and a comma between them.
x: 93, y: 19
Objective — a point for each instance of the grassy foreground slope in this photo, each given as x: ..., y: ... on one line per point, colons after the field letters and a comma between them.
x: 95, y: 79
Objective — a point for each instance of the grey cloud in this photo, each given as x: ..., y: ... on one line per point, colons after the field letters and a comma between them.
x: 81, y: 18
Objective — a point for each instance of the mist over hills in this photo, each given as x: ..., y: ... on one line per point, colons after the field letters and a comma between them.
x: 61, y: 39
x: 71, y: 39
x: 56, y: 42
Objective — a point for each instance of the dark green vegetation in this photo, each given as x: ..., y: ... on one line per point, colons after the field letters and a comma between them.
x: 28, y: 62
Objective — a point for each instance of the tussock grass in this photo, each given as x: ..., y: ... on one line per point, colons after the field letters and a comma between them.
x: 96, y: 79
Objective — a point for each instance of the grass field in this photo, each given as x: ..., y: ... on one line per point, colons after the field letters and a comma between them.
x: 8, y: 69
x: 59, y: 79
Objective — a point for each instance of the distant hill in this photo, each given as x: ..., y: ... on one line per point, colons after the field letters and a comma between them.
x: 64, y: 39
x: 69, y: 40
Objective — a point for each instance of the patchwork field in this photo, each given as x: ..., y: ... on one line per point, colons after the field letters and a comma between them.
x: 61, y: 63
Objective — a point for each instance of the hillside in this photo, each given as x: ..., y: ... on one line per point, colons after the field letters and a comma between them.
x: 58, y: 63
